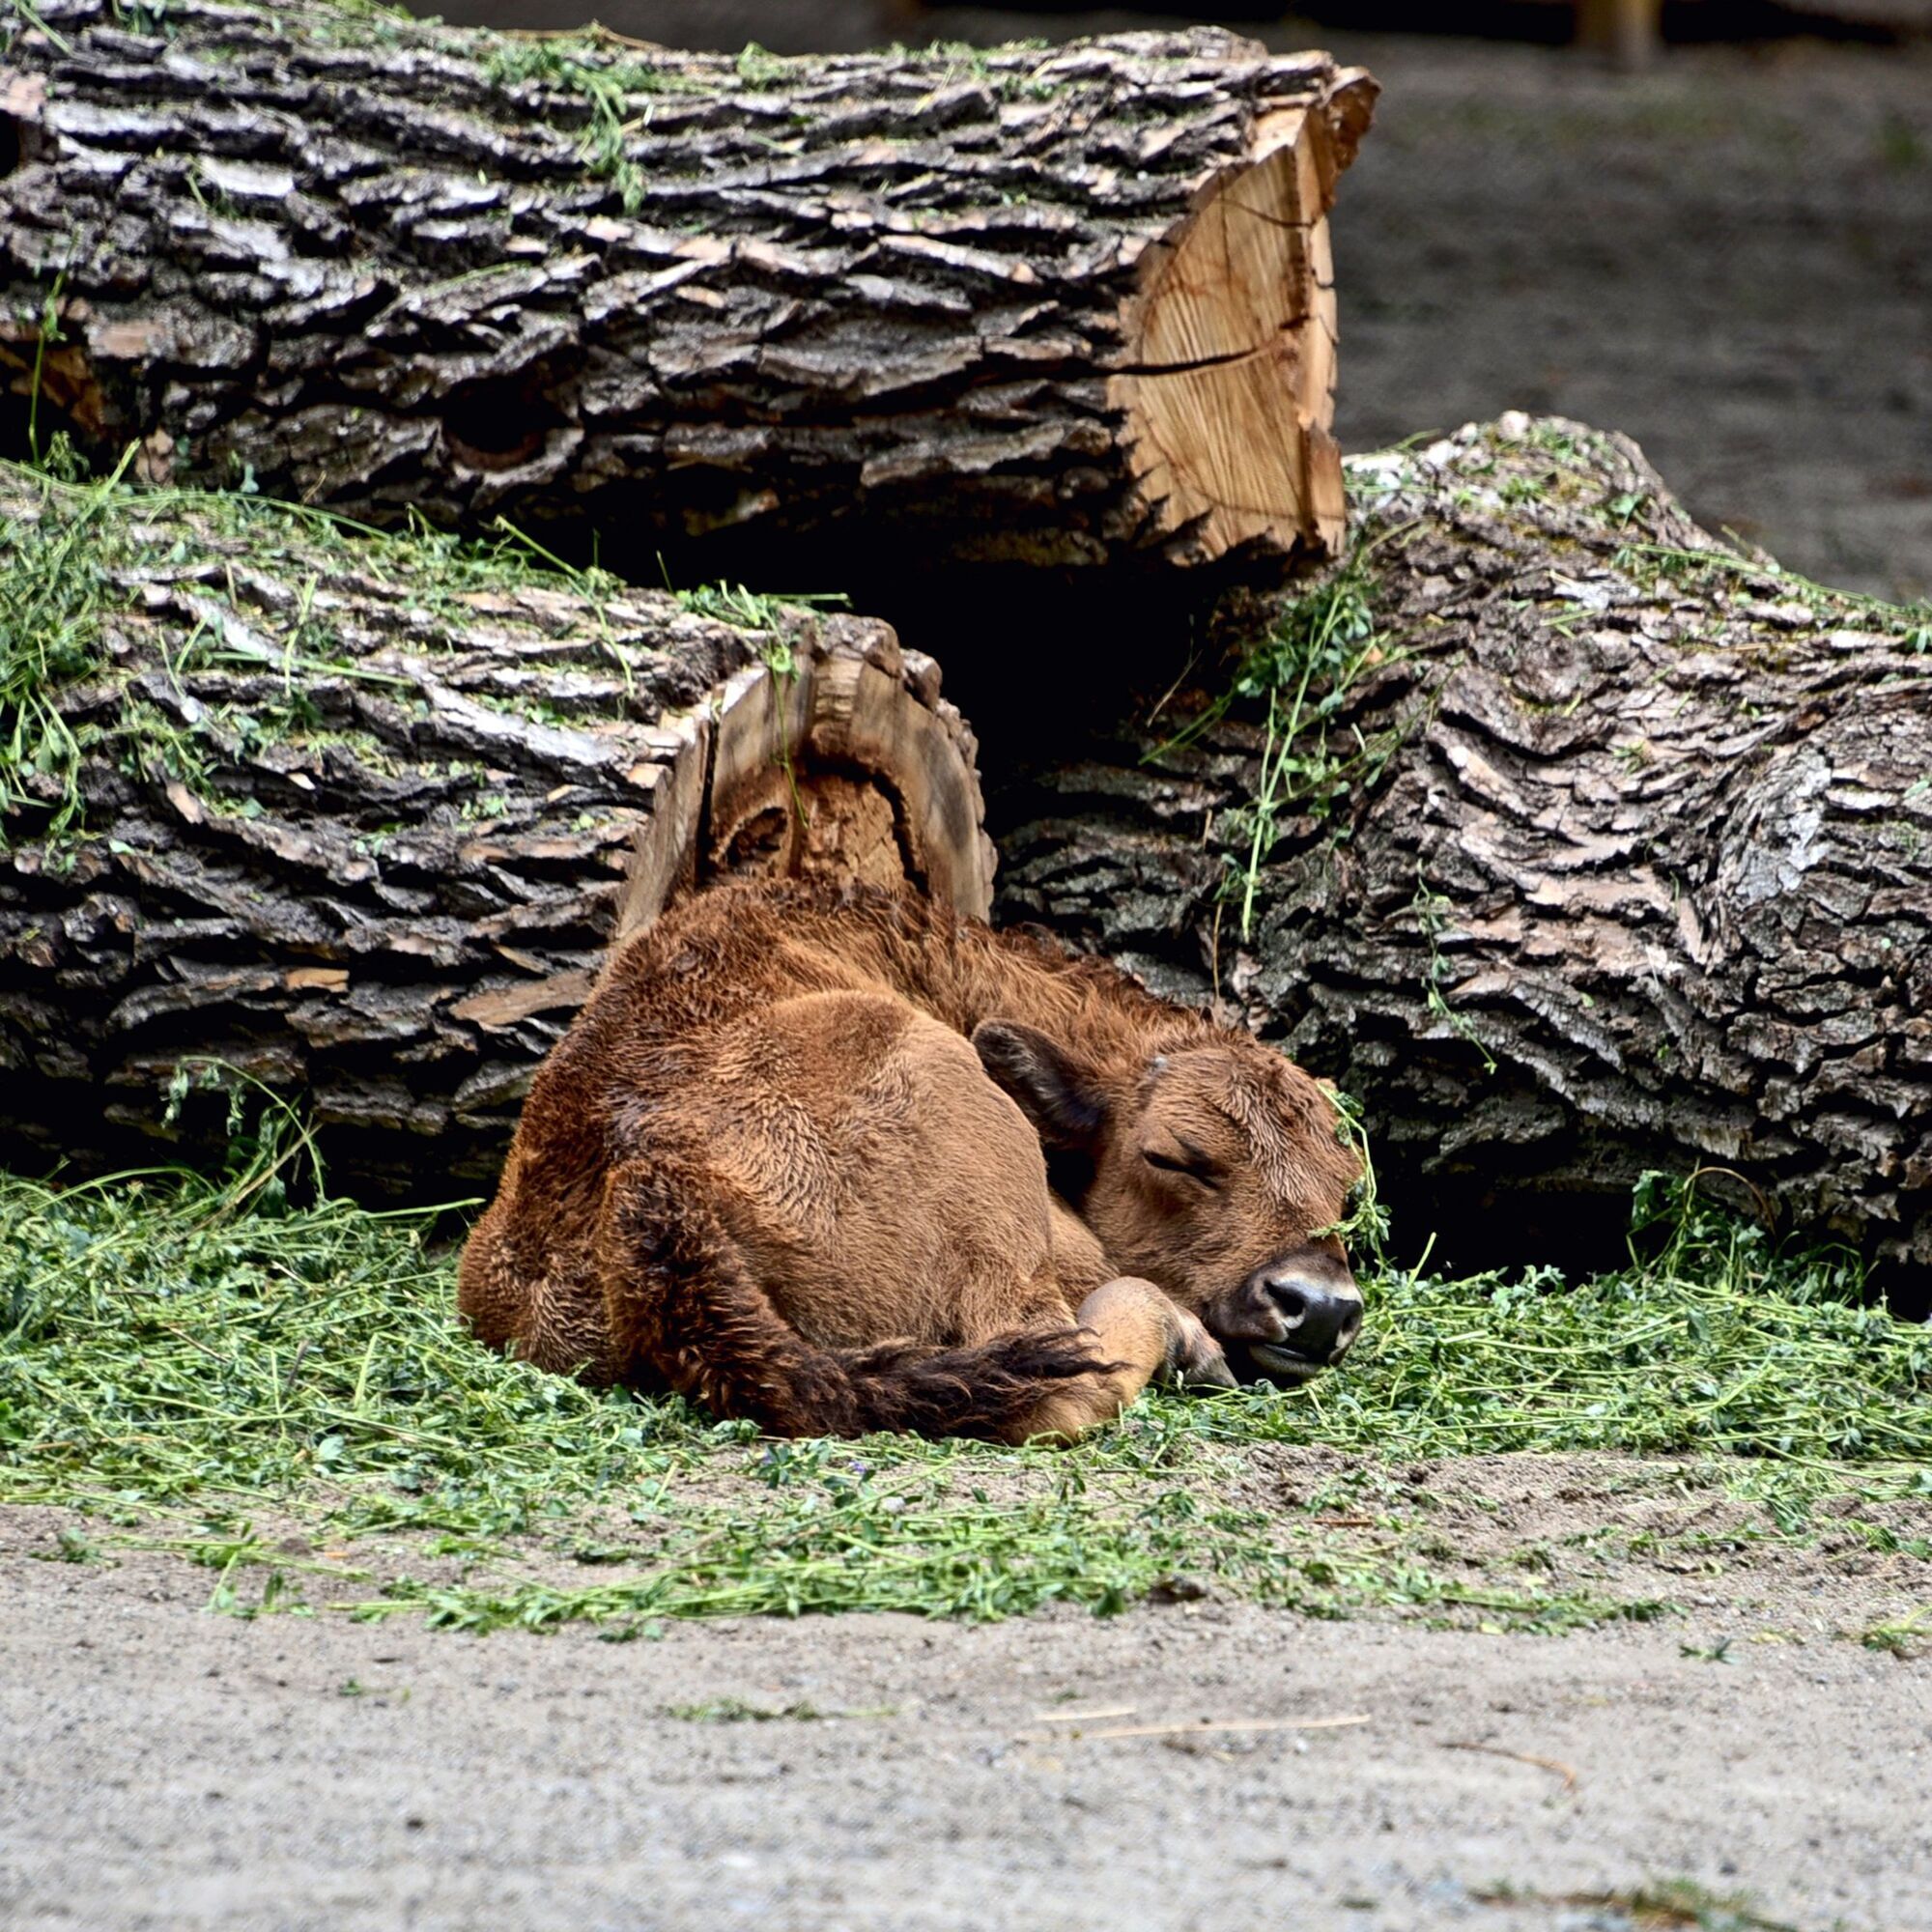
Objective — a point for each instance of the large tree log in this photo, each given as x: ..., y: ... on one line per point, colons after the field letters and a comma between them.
x: 1595, y: 845
x: 357, y: 817
x: 1052, y: 306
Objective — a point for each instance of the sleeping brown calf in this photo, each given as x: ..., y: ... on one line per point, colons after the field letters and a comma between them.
x: 792, y: 1161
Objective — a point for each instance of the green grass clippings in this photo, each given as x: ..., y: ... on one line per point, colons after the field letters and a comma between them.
x: 201, y: 1366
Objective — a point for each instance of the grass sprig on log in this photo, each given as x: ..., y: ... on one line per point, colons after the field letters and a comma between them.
x: 1298, y: 673
x: 53, y: 581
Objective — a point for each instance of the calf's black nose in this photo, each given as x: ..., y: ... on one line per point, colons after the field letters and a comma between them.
x: 1323, y: 1318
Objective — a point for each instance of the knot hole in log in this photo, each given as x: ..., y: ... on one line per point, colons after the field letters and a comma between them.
x: 499, y: 422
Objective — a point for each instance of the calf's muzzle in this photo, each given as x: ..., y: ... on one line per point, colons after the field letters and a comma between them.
x: 1323, y: 1320
x: 1294, y: 1316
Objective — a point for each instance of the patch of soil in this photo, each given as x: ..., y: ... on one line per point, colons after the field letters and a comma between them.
x: 1625, y: 1529
x: 170, y: 1768
x: 1725, y: 258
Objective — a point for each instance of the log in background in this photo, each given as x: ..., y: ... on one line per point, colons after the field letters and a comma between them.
x: 1054, y: 306
x: 1618, y: 856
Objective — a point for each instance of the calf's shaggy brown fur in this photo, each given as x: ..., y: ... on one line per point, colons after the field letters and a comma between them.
x: 792, y: 1161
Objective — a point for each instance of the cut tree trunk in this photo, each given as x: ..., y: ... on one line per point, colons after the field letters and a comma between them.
x: 356, y: 817
x: 1060, y: 306
x: 1596, y: 846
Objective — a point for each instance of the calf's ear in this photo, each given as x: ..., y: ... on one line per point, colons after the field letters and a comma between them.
x: 1055, y: 1090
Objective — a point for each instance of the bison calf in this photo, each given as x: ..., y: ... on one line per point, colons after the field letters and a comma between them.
x: 836, y: 1160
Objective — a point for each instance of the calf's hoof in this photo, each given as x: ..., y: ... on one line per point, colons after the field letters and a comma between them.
x: 1193, y: 1360
x: 1196, y: 1360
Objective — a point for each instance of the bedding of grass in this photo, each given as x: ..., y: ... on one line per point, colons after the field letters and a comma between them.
x: 282, y: 1392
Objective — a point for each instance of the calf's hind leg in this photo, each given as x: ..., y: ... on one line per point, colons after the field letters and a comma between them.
x: 684, y: 1304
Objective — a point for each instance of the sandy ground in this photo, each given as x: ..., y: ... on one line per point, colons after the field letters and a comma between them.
x: 163, y: 1767
x: 1729, y: 259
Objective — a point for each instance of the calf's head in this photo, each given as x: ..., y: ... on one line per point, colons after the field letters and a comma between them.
x: 1211, y: 1169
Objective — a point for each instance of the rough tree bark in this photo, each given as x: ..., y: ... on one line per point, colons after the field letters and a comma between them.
x: 358, y: 818
x: 1596, y: 846
x: 1059, y: 306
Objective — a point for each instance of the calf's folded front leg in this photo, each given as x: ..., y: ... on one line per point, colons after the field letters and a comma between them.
x: 1139, y: 1332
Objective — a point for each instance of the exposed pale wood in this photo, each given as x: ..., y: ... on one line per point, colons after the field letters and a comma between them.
x: 1628, y: 863
x: 1058, y: 307
x: 1233, y: 348
x: 359, y: 825
x: 849, y: 763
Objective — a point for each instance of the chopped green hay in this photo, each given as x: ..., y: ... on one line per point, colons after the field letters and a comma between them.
x: 208, y: 1369
x: 1716, y: 1344
x: 54, y: 576
x: 1657, y: 1907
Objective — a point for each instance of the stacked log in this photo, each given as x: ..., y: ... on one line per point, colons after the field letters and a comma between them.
x: 1060, y: 306
x: 1594, y: 844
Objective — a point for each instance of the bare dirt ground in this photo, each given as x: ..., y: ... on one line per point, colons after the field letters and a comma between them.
x: 168, y: 1768
x: 1727, y: 258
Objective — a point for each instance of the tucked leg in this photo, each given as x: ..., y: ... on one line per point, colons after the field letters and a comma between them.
x: 687, y: 1304
x: 1138, y: 1332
